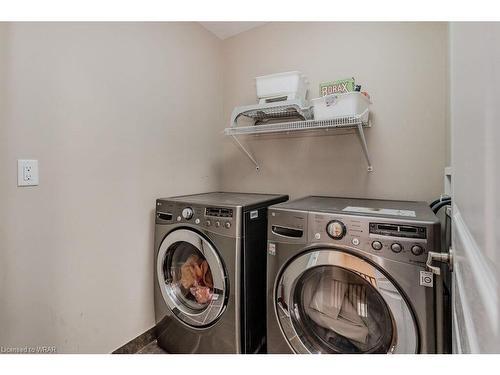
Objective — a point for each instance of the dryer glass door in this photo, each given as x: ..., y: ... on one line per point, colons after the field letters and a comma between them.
x: 192, y: 278
x: 329, y: 301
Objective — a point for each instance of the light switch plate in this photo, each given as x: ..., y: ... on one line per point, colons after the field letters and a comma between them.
x: 27, y: 172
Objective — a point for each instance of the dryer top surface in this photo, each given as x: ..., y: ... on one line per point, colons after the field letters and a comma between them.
x: 408, y: 210
x: 243, y: 200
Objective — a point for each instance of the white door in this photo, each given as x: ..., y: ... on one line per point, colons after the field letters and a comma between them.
x: 475, y: 160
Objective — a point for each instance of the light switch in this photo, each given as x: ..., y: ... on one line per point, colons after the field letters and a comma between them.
x: 27, y: 172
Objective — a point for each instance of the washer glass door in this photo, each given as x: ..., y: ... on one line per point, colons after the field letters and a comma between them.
x: 329, y: 301
x: 192, y: 278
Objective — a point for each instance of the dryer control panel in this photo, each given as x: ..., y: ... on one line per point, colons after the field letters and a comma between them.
x: 403, y: 241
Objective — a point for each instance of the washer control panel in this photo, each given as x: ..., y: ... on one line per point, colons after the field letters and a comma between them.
x: 400, y: 241
x: 215, y: 219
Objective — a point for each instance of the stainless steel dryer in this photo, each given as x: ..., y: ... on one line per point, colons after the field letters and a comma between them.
x: 210, y: 254
x: 348, y: 276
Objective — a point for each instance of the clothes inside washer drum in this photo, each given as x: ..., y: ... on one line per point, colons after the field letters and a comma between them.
x: 196, y: 278
x: 196, y: 271
x: 337, y: 306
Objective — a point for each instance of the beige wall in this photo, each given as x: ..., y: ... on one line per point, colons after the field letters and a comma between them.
x: 107, y: 111
x: 404, y: 68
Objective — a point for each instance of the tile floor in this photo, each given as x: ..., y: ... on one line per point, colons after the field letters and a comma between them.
x: 152, y: 348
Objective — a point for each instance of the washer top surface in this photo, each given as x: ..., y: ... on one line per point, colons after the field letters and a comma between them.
x: 408, y: 210
x: 229, y: 199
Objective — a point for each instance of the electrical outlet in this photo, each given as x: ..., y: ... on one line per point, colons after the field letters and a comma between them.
x: 27, y: 172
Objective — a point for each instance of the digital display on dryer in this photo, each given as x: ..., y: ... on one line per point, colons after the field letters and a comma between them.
x: 219, y: 212
x: 396, y: 230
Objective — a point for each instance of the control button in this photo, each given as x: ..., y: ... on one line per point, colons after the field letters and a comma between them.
x: 417, y: 250
x: 208, y: 223
x: 317, y: 236
x: 336, y: 229
x: 187, y: 213
x: 355, y: 241
x: 376, y: 245
x: 179, y: 218
x: 396, y: 248
x: 217, y: 224
x: 197, y: 221
x: 227, y: 224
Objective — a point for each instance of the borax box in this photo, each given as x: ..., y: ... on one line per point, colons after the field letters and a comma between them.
x: 336, y: 87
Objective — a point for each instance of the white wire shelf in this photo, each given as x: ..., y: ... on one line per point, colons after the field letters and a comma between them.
x: 358, y: 122
x: 297, y: 126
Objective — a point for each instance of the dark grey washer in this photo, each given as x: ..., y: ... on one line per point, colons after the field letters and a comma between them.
x: 229, y: 230
x: 393, y: 297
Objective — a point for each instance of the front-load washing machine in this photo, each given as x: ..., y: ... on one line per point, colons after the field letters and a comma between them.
x: 210, y: 254
x: 348, y: 276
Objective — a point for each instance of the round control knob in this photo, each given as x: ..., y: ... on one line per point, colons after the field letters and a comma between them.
x: 197, y: 221
x: 396, y: 248
x: 227, y: 224
x: 336, y: 229
x: 208, y: 223
x: 376, y: 245
x: 417, y: 250
x: 217, y: 224
x: 187, y: 213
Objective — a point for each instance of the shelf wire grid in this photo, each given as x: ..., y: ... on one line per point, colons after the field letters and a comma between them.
x: 350, y: 122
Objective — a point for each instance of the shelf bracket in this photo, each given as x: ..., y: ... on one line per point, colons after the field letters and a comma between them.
x: 257, y: 167
x: 362, y: 139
